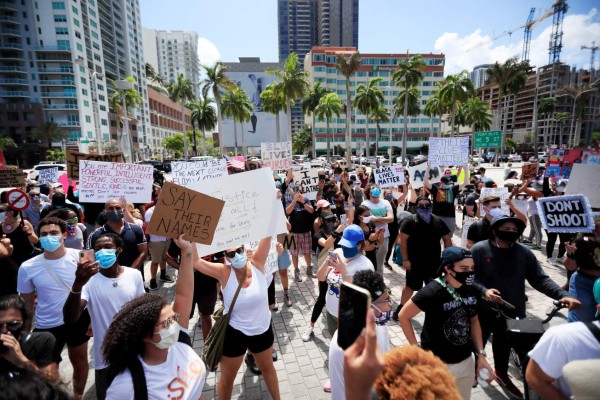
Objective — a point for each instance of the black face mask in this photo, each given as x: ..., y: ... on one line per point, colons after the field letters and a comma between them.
x: 321, y: 177
x: 507, y: 236
x: 114, y: 215
x: 465, y: 278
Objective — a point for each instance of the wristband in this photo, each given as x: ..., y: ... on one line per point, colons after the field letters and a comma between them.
x: 75, y: 292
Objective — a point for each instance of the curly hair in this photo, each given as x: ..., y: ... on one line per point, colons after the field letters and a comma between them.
x: 124, y: 338
x: 413, y: 373
x: 116, y: 239
x: 371, y: 281
x: 25, y: 384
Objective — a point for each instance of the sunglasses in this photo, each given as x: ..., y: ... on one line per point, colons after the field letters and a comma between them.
x: 11, y: 326
x: 231, y: 254
x: 169, y: 321
x: 72, y: 221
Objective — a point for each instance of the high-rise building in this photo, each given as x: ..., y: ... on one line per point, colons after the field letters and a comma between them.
x: 173, y: 53
x: 479, y: 75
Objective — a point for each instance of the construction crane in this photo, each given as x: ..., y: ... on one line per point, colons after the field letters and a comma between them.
x: 559, y: 9
x: 527, y: 37
x: 593, y: 49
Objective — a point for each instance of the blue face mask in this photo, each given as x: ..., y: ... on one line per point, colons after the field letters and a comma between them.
x: 349, y: 252
x: 51, y: 243
x: 239, y: 261
x: 106, y: 257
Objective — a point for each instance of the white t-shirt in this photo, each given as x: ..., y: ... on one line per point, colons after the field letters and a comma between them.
x: 181, y: 376
x: 562, y: 344
x: 334, y: 279
x: 51, y: 295
x: 148, y: 217
x: 104, y: 301
x: 379, y: 210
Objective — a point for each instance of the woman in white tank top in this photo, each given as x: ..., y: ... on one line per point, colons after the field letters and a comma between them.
x: 250, y: 322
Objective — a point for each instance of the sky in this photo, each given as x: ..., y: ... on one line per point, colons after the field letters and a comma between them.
x: 229, y: 29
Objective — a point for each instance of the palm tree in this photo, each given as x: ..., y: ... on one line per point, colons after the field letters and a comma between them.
x: 237, y: 105
x: 154, y: 76
x: 368, y: 98
x: 329, y: 106
x: 293, y: 85
x: 476, y: 113
x: 181, y: 91
x: 580, y: 96
x: 48, y: 132
x: 457, y: 87
x: 433, y: 108
x: 412, y: 102
x: 216, y: 82
x: 204, y: 117
x: 348, y: 67
x: 381, y: 114
x: 546, y: 106
x: 408, y: 75
x: 561, y: 118
x: 274, y: 103
x: 309, y: 103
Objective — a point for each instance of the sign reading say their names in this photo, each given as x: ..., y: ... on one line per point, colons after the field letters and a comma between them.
x: 449, y: 151
x: 180, y: 210
x: 389, y: 176
x: 48, y: 175
x: 309, y: 180
x: 252, y: 210
x: 277, y: 155
x: 500, y: 192
x: 196, y: 171
x: 566, y: 213
x: 585, y: 180
x: 100, y: 181
x: 416, y: 175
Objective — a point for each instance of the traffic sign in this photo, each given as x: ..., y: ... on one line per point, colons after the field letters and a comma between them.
x: 17, y: 199
x: 487, y: 139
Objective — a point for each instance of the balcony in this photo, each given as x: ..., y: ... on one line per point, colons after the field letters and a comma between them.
x: 64, y: 82
x: 60, y: 106
x: 53, y: 48
x: 8, y: 5
x: 60, y: 95
x: 57, y: 70
x: 10, y: 32
x: 9, y: 18
x: 13, y: 81
x: 11, y: 68
x: 10, y: 45
x: 54, y: 57
x: 14, y: 93
x: 68, y: 124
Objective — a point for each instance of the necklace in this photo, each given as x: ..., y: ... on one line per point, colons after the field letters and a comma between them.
x: 450, y: 289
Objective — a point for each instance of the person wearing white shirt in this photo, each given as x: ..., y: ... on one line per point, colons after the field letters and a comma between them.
x: 158, y: 247
x: 381, y: 214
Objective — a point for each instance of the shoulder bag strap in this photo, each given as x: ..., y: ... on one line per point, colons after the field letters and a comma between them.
x: 238, y: 290
x: 140, y: 390
x: 594, y: 329
x: 53, y: 275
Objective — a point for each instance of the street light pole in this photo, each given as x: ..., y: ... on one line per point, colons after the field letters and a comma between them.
x: 391, y: 123
x: 93, y: 75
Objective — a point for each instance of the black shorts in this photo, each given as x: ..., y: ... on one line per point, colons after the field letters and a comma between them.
x: 205, y: 293
x: 72, y: 335
x: 415, y: 279
x: 236, y: 343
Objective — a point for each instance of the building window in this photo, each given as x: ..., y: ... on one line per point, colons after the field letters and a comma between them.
x: 86, y: 103
x: 104, y: 122
x: 58, y: 5
x: 60, y: 18
x: 75, y: 10
x: 62, y: 31
x: 84, y: 92
x: 88, y: 119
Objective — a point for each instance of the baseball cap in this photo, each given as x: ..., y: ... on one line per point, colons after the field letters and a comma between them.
x: 502, y: 219
x: 327, y: 215
x: 454, y: 253
x: 322, y: 204
x: 351, y: 236
x: 376, y: 192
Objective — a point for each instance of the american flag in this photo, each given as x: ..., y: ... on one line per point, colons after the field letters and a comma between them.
x: 233, y: 163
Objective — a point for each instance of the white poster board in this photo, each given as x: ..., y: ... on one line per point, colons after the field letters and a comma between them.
x: 590, y: 157
x: 252, y: 210
x: 195, y: 171
x: 389, y: 176
x: 276, y: 155
x: 309, y: 180
x: 467, y: 222
x: 500, y: 192
x: 585, y: 180
x: 49, y: 175
x: 571, y: 213
x: 416, y: 175
x: 271, y: 264
x: 449, y: 151
x: 100, y: 181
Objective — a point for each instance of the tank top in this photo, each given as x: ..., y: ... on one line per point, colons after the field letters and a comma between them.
x: 251, y: 314
x: 532, y: 206
x: 22, y: 248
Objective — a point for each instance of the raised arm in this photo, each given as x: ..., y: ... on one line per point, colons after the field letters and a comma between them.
x: 259, y: 257
x: 184, y: 288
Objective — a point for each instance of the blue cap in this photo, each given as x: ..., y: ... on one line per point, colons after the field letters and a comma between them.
x: 454, y: 253
x: 376, y: 192
x: 351, y: 236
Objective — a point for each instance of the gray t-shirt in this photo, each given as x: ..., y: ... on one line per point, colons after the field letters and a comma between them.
x: 76, y: 241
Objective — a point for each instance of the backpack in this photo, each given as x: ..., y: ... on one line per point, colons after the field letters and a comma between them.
x: 594, y: 329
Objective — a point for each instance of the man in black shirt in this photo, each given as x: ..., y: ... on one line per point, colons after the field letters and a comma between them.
x: 479, y: 230
x: 444, y: 193
x: 300, y: 211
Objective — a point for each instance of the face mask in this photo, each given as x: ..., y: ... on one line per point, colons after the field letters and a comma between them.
x: 51, y: 243
x: 106, y: 257
x: 424, y: 213
x: 321, y: 177
x: 239, y: 261
x: 2, y: 217
x: 349, y: 252
x: 114, y: 215
x: 328, y: 225
x: 384, y: 317
x: 465, y: 278
x: 168, y: 336
x: 366, y: 219
x: 506, y: 236
x: 71, y: 230
x: 496, y: 212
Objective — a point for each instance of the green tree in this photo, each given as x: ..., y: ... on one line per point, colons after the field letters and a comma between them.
x: 456, y: 88
x: 580, y: 96
x: 381, y: 114
x: 511, y: 145
x: 434, y: 108
x: 546, y: 106
x: 309, y: 103
x: 181, y: 91
x: 174, y: 143
x: 412, y: 101
x: 133, y: 100
x: 7, y: 143
x: 56, y: 155
x: 273, y: 102
x: 368, y: 98
x: 348, y: 67
x: 153, y: 76
x: 204, y: 117
x: 595, y: 138
x: 301, y: 140
x: 237, y: 105
x: 408, y: 75
x: 476, y: 114
x: 216, y: 82
x: 561, y: 118
x: 329, y: 106
x: 48, y: 132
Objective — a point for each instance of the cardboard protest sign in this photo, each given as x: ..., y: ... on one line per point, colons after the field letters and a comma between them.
x: 500, y: 192
x: 180, y: 210
x: 389, y: 176
x: 252, y: 210
x: 449, y: 151
x: 48, y: 175
x: 277, y: 155
x: 467, y: 222
x: 288, y: 241
x: 566, y: 214
x: 309, y: 180
x: 585, y: 180
x: 271, y: 264
x: 195, y: 171
x: 12, y: 177
x: 529, y: 171
x: 100, y: 181
x: 73, y: 158
x: 416, y: 175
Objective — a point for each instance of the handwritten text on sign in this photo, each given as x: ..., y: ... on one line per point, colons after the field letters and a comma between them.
x: 309, y: 180
x: 196, y: 171
x: 74, y: 157
x: 389, y: 176
x: 271, y: 264
x: 449, y: 151
x: 48, y: 175
x: 277, y: 155
x: 416, y: 175
x: 11, y: 177
x: 181, y: 210
x: 529, y: 171
x: 252, y: 210
x: 566, y: 214
x: 101, y: 181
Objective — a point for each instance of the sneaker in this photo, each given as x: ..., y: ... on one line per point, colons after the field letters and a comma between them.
x: 327, y: 386
x: 286, y: 300
x: 146, y: 288
x: 297, y: 277
x: 535, y: 247
x: 153, y: 285
x: 274, y: 306
x: 505, y: 382
x: 274, y: 355
x: 388, y: 266
x: 166, y: 278
x: 396, y: 312
x: 552, y: 261
x: 251, y: 363
x: 306, y: 335
x: 526, y: 241
x: 310, y: 272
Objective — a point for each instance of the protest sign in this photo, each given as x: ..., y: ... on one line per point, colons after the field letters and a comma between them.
x: 309, y: 180
x: 389, y: 176
x: 416, y: 175
x: 500, y: 192
x: 12, y: 177
x: 590, y: 157
x: 271, y: 264
x: 180, y: 210
x: 17, y: 199
x: 195, y: 171
x: 566, y: 213
x: 467, y: 222
x: 73, y: 158
x: 288, y: 241
x: 585, y: 180
x: 449, y: 151
x: 48, y: 175
x: 252, y: 210
x: 277, y: 155
x: 100, y: 181
x: 529, y: 171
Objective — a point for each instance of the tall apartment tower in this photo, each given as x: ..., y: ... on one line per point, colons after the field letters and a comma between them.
x: 172, y: 53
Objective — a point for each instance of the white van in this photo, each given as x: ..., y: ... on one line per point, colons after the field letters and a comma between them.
x: 202, y: 158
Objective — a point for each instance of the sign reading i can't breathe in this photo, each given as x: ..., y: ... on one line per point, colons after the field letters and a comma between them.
x: 566, y: 214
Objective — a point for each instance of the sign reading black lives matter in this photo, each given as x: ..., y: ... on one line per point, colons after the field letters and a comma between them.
x: 566, y: 213
x: 389, y: 176
x: 309, y: 180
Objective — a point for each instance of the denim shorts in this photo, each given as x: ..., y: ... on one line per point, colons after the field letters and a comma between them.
x: 284, y: 260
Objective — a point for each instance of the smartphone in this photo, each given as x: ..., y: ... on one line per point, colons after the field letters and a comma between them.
x: 333, y: 255
x: 352, y: 315
x: 87, y: 255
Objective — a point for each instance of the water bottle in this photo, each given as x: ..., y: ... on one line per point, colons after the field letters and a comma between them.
x: 483, y: 376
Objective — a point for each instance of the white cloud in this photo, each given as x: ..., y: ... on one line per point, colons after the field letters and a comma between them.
x: 578, y: 30
x: 207, y: 52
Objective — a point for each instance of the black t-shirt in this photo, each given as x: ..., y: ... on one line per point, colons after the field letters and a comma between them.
x: 587, y: 255
x: 37, y: 347
x: 10, y: 271
x: 471, y: 201
x: 424, y: 249
x: 301, y: 220
x: 443, y: 200
x: 479, y: 231
x: 131, y: 234
x: 447, y: 328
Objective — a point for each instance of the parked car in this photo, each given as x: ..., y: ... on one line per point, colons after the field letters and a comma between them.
x: 35, y: 171
x: 316, y: 163
x: 542, y: 157
x: 515, y: 158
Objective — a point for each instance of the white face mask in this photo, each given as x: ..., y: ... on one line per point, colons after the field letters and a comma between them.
x: 366, y: 219
x: 496, y: 212
x: 168, y: 336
